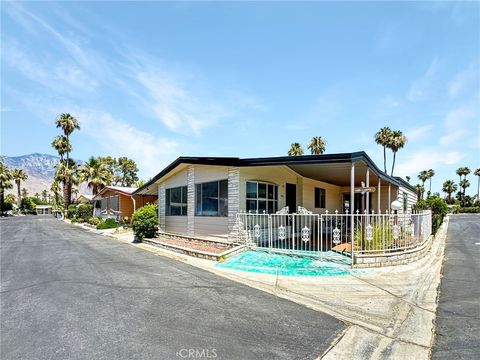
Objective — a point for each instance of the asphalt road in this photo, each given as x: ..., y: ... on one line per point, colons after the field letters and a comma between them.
x: 69, y: 294
x: 458, y: 313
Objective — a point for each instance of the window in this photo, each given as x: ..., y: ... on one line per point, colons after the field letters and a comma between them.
x: 405, y: 201
x: 176, y: 201
x: 211, y: 199
x: 261, y: 197
x: 319, y: 198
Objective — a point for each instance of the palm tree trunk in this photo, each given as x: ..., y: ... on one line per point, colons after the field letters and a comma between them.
x: 393, y: 163
x: 430, y: 187
x: 478, y: 188
x: 385, y: 158
x: 19, y: 195
x: 2, y: 200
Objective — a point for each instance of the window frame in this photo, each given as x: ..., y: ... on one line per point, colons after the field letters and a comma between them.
x: 324, y: 198
x: 183, y: 202
x: 222, y: 201
x: 267, y: 200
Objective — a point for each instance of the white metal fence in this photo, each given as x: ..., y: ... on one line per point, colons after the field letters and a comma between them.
x: 305, y: 232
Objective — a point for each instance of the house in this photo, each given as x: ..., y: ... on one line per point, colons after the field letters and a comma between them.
x: 43, y: 209
x: 201, y: 196
x: 119, y: 202
x: 84, y: 199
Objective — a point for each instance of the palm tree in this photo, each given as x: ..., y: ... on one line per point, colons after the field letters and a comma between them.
x: 317, y: 145
x: 423, y: 176
x: 449, y: 187
x: 430, y: 173
x: 397, y: 142
x: 5, y: 182
x: 96, y: 173
x: 420, y: 189
x: 55, y: 189
x: 18, y: 176
x: 62, y: 145
x: 383, y: 137
x: 408, y: 178
x: 68, y: 124
x: 67, y: 172
x: 295, y: 150
x: 477, y: 173
x: 24, y: 193
x: 464, y: 184
x: 45, y: 196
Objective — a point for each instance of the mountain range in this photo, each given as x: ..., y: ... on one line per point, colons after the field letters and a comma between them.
x: 40, y: 169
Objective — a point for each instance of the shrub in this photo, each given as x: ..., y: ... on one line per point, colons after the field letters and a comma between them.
x: 74, y: 219
x: 72, y: 211
x: 80, y: 220
x: 145, y: 222
x: 439, y: 210
x: 107, y: 224
x: 94, y: 221
x: 471, y: 209
x: 85, y: 211
x: 28, y: 204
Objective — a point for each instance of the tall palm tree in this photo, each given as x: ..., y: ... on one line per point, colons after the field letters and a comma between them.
x: 67, y: 172
x: 295, y: 150
x: 420, y: 189
x: 55, y: 189
x: 464, y: 184
x: 477, y: 173
x: 317, y: 145
x: 423, y: 176
x: 430, y: 173
x: 5, y: 182
x: 383, y: 137
x: 68, y: 124
x: 96, y: 173
x: 62, y: 145
x: 19, y: 175
x: 449, y: 187
x: 45, y: 196
x: 397, y: 142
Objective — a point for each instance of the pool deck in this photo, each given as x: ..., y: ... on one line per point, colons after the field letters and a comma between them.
x: 389, y: 312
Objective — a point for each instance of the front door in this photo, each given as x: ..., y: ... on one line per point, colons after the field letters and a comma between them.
x: 291, y: 197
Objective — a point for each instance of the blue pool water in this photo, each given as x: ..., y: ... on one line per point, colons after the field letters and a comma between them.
x: 331, y: 264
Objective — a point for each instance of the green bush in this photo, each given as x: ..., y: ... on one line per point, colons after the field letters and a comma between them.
x: 85, y: 211
x: 27, y: 205
x: 145, y: 222
x: 471, y: 210
x: 439, y: 210
x: 107, y: 224
x: 94, y: 221
x: 74, y: 219
x: 72, y: 211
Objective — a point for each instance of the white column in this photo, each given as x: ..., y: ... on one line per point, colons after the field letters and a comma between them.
x: 389, y: 198
x: 378, y: 195
x: 367, y: 183
x: 233, y: 199
x: 191, y: 200
x: 161, y: 206
x: 352, y: 205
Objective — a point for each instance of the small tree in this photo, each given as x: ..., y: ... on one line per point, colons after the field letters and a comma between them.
x: 145, y: 222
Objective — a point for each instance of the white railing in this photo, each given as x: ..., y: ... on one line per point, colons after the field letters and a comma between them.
x: 305, y: 232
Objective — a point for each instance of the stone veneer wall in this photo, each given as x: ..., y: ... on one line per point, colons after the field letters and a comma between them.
x: 233, y: 199
x: 402, y: 258
x: 191, y: 200
x: 161, y: 206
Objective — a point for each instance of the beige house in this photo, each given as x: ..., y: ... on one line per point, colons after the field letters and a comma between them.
x: 201, y: 196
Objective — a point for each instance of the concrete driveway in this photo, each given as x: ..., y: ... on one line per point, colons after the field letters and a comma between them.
x: 458, y: 313
x: 70, y: 294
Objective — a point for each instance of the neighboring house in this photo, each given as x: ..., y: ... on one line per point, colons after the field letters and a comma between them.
x: 201, y: 196
x: 84, y: 199
x: 118, y: 202
x: 43, y: 209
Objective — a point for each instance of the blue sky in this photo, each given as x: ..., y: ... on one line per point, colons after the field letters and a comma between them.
x: 154, y: 81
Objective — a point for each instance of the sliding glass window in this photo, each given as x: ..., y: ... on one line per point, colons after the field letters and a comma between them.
x: 262, y: 197
x: 176, y: 201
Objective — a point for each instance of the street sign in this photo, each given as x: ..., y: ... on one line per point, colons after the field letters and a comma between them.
x: 365, y: 189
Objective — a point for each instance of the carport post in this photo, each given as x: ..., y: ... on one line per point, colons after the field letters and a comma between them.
x: 367, y: 194
x: 378, y: 195
x: 389, y: 200
x: 352, y: 207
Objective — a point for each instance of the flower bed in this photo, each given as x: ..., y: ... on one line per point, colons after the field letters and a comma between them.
x: 195, y: 244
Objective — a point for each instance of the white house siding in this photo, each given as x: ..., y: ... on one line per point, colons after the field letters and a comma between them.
x: 333, y: 196
x: 161, y: 207
x: 411, y: 197
x: 279, y: 175
x: 233, y: 193
x: 191, y: 200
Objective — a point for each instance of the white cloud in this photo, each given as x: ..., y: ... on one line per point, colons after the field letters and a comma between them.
x: 463, y: 80
x: 458, y: 125
x: 427, y: 158
x: 422, y: 87
x: 418, y: 133
x: 118, y: 138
